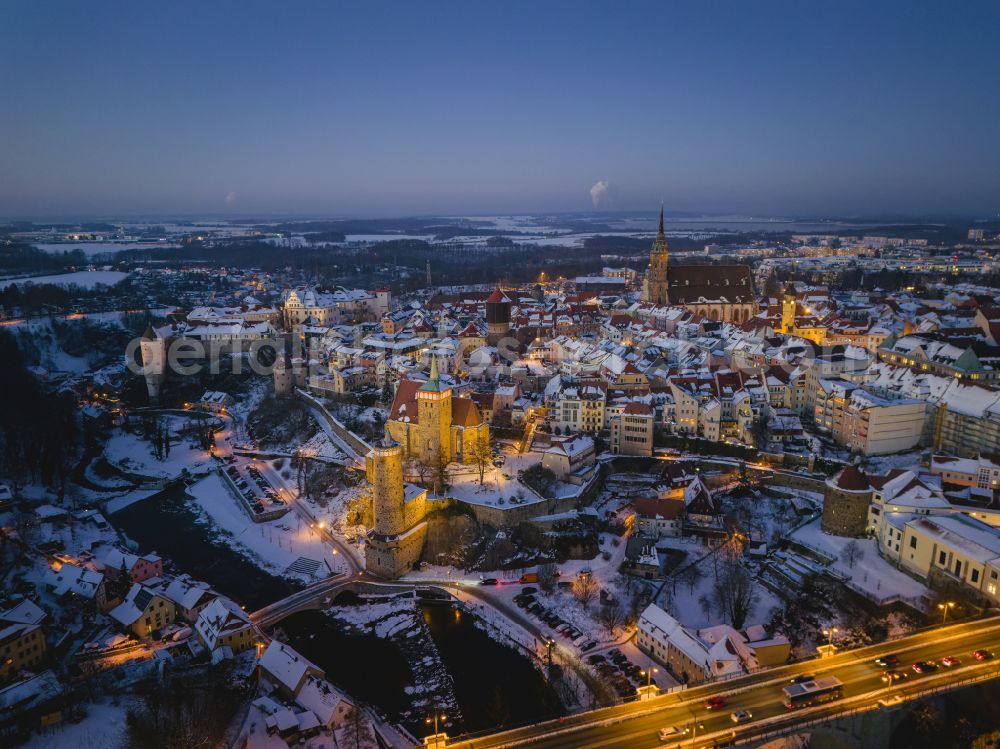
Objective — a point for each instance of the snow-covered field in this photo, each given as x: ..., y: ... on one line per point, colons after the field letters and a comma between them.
x: 83, y: 278
x: 98, y: 248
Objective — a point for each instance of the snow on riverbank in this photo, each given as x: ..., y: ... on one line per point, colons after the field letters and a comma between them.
x: 274, y: 546
x: 133, y: 454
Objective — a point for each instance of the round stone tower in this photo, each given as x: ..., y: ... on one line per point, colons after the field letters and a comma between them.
x: 386, y: 477
x: 497, y: 315
x: 282, y: 377
x: 846, y: 499
x: 153, y: 348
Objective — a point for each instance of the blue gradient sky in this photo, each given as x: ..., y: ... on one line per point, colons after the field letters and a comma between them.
x: 401, y: 108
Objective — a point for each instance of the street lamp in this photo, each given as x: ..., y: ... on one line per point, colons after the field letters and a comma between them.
x: 829, y: 634
x: 648, y: 673
x: 437, y: 715
x: 944, y: 610
x: 550, y: 645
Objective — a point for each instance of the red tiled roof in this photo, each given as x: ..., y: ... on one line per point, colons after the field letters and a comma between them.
x: 464, y: 413
x: 406, y: 395
x: 651, y: 507
x: 851, y: 479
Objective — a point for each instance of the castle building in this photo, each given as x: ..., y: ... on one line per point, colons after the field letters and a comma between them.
x: 433, y: 426
x: 399, y: 530
x: 716, y: 292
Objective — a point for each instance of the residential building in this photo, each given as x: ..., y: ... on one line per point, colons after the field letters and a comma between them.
x: 22, y: 640
x: 632, y: 430
x: 710, y: 653
x: 144, y: 612
x: 224, y: 624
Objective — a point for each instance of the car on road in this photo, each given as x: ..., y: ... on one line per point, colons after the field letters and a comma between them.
x: 950, y: 660
x: 924, y: 667
x: 801, y: 679
x: 670, y: 732
x: 887, y: 661
x: 714, y: 703
x: 740, y: 716
x: 488, y: 581
x: 982, y: 655
x: 890, y: 676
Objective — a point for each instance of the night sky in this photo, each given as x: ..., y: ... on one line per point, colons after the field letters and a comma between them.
x: 379, y: 109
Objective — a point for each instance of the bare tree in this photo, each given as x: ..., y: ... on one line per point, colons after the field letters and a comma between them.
x: 852, y: 553
x: 482, y: 457
x: 547, y: 575
x: 691, y: 576
x: 584, y: 589
x: 357, y: 732
x: 734, y: 592
x: 612, y: 616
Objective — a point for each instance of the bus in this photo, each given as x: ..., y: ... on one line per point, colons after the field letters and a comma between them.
x: 823, y: 689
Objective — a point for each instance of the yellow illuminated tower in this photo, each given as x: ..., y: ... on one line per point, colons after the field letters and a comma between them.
x: 656, y: 286
x: 788, y: 307
x: 385, y: 473
x: 434, y: 419
x: 399, y: 528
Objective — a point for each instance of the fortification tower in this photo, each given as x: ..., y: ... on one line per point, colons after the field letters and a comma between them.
x: 153, y: 348
x: 385, y: 469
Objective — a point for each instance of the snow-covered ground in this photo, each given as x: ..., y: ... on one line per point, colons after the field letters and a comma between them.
x: 133, y: 454
x: 274, y: 545
x: 500, y: 485
x: 870, y: 572
x: 103, y: 728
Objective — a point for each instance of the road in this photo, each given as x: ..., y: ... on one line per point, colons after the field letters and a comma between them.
x: 637, y: 724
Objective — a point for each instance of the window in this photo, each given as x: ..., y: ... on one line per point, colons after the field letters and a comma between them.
x: 913, y: 542
x: 942, y: 558
x: 974, y: 576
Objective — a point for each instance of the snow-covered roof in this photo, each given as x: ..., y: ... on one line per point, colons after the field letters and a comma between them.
x: 286, y: 666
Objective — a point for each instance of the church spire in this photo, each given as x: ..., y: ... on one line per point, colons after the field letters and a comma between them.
x: 434, y: 368
x: 661, y: 236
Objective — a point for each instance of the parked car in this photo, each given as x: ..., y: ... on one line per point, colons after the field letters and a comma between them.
x: 590, y: 645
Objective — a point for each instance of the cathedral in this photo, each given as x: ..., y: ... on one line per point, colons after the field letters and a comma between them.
x: 716, y: 292
x: 434, y: 427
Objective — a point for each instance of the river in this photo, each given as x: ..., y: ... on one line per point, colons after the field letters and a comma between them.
x: 165, y: 524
